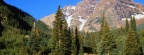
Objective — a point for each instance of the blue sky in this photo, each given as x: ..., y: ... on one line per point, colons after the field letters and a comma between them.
x: 41, y: 8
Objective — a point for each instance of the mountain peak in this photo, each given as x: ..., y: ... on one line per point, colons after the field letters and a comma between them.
x: 89, y: 0
x: 87, y: 14
x: 126, y: 0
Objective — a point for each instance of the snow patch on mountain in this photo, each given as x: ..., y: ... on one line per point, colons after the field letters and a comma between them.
x: 68, y: 10
x: 69, y: 20
x: 73, y: 7
x: 128, y: 5
x: 143, y: 13
x: 83, y: 22
x: 67, y: 13
x: 123, y: 19
x: 132, y: 6
x: 137, y: 16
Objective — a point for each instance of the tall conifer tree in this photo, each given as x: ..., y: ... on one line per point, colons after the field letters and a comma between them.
x: 131, y: 46
x: 127, y: 25
x: 77, y: 41
x: 102, y: 27
x: 1, y: 27
x: 81, y: 51
x: 57, y: 33
x: 73, y: 44
x: 66, y: 40
x: 133, y: 23
x: 106, y: 37
x: 93, y: 43
x: 133, y: 27
x: 61, y: 40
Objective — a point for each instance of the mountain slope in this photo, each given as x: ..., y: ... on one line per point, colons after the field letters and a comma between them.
x: 21, y: 34
x: 12, y: 16
x: 87, y: 13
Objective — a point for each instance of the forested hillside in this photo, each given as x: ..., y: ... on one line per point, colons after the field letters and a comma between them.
x: 16, y: 35
x: 21, y: 34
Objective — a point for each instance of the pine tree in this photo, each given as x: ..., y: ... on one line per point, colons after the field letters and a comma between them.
x: 93, y: 43
x: 127, y: 25
x: 61, y: 37
x: 101, y: 34
x: 57, y: 33
x: 106, y: 37
x: 81, y: 51
x: 133, y: 27
x: 34, y: 40
x: 1, y: 27
x: 66, y: 40
x: 131, y: 46
x: 73, y: 44
x: 102, y: 27
x: 77, y: 41
x: 133, y: 23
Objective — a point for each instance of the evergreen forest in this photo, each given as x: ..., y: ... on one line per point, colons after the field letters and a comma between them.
x: 21, y: 34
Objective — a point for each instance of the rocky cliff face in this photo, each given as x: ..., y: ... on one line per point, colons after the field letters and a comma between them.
x: 87, y: 13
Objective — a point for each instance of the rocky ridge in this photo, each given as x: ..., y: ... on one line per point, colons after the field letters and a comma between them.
x: 87, y: 14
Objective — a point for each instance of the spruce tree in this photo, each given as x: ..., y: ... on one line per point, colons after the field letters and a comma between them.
x: 1, y: 27
x: 106, y: 37
x: 133, y: 27
x: 102, y: 27
x: 77, y: 41
x: 66, y: 40
x: 133, y: 23
x: 127, y: 25
x: 61, y: 38
x: 93, y: 43
x: 73, y: 44
x: 81, y: 51
x: 101, y: 35
x: 35, y: 43
x: 131, y: 46
x: 57, y: 33
x: 34, y: 40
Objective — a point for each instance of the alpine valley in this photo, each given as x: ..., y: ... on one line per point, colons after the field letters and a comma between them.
x: 92, y: 27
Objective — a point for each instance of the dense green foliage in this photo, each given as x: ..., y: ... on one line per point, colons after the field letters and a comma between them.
x: 21, y: 34
x: 131, y: 46
x: 17, y: 37
x: 127, y: 25
x: 106, y: 41
x: 61, y: 36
